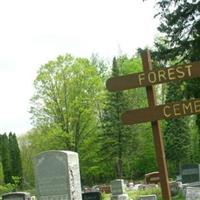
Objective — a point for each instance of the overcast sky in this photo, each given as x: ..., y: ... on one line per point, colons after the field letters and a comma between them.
x: 35, y: 31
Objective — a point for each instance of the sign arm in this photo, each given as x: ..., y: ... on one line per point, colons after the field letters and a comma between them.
x: 157, y: 137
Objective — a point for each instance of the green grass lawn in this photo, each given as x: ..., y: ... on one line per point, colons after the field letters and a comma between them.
x: 134, y: 194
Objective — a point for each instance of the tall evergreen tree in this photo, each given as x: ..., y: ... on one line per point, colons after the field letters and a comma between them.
x: 114, y: 133
x: 180, y: 25
x: 5, y: 159
x: 15, y: 158
x: 176, y: 133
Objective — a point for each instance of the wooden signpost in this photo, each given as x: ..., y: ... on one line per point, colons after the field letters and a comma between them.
x: 154, y: 112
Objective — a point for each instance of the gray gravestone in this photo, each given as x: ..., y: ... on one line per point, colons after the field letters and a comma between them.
x: 148, y: 197
x: 117, y: 187
x: 192, y: 193
x: 16, y: 196
x: 190, y: 173
x: 92, y: 196
x: 57, y: 176
x: 118, y: 190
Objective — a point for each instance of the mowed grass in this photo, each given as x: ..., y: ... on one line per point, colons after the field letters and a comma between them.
x: 134, y: 194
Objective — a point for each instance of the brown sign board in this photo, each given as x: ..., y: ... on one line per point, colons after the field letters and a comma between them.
x: 167, y: 111
x: 156, y: 76
x: 153, y: 177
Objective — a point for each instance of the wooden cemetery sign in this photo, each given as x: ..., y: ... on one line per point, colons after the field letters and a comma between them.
x: 156, y: 76
x: 167, y: 111
x: 154, y: 112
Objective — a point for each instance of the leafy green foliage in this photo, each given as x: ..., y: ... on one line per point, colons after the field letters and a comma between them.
x: 66, y: 109
x: 66, y: 98
x: 15, y: 158
x: 179, y: 43
x: 72, y: 110
x: 180, y: 25
x: 114, y: 135
x: 7, y: 188
x: 10, y: 160
x: 122, y: 147
x: 5, y: 159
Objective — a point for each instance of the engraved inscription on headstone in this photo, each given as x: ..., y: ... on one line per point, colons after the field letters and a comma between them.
x: 192, y: 193
x: 148, y: 197
x: 57, y: 176
x: 190, y: 173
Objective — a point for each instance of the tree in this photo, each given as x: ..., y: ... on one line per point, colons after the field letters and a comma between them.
x: 28, y: 151
x: 114, y: 133
x: 71, y: 86
x: 67, y: 91
x: 176, y: 133
x: 5, y: 159
x: 66, y: 108
x: 119, y: 143
x: 15, y: 158
x: 180, y: 26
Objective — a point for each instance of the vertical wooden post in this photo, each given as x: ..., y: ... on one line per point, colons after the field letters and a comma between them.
x: 158, y: 142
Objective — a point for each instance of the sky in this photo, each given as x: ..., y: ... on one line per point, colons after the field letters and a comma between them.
x: 32, y: 32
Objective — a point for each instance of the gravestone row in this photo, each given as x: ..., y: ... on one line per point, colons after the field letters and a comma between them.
x: 57, y: 177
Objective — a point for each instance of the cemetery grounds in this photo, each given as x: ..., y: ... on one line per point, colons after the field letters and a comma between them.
x: 134, y: 194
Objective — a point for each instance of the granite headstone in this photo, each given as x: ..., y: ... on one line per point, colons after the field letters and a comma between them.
x: 91, y: 196
x: 190, y: 173
x: 57, y: 176
x: 118, y: 190
x: 16, y: 196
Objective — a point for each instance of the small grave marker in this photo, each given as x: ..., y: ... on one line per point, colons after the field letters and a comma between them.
x: 16, y: 196
x: 118, y: 190
x: 190, y: 173
x: 91, y: 196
